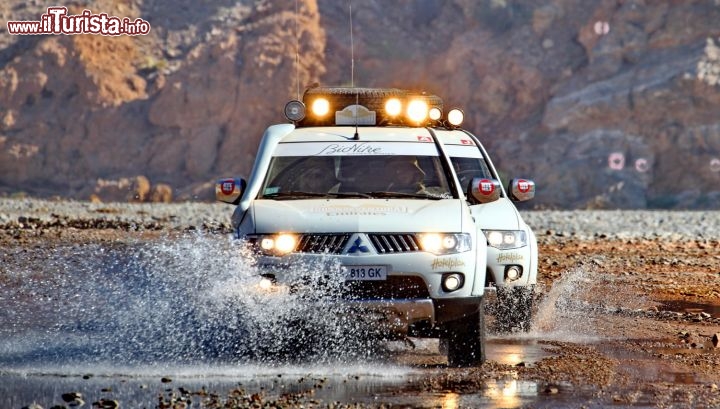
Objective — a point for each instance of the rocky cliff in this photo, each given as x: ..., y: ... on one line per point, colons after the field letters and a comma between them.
x: 606, y: 104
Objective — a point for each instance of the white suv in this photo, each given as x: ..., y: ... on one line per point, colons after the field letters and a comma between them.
x: 390, y: 198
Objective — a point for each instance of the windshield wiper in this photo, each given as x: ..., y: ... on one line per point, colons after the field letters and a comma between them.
x: 295, y: 194
x: 389, y: 194
x: 350, y: 194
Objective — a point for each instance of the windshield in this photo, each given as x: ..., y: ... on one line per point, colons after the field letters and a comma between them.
x: 469, y: 168
x: 468, y: 163
x: 380, y: 176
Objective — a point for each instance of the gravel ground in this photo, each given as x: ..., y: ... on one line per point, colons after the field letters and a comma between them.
x: 16, y: 213
x: 645, y: 283
x: 580, y: 224
x: 624, y: 224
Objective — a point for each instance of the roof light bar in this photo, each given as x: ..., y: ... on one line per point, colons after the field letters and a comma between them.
x: 324, y: 106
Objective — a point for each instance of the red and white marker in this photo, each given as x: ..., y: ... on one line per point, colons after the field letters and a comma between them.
x: 486, y: 187
x: 523, y: 185
x: 227, y: 187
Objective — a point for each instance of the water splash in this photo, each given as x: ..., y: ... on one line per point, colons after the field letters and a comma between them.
x: 186, y: 299
x: 567, y: 310
x: 557, y: 312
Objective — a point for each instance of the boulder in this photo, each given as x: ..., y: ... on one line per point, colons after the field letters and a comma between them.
x: 139, y: 190
x: 161, y: 193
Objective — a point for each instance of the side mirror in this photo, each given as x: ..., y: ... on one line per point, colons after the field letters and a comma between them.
x: 230, y: 190
x: 484, y: 190
x: 521, y: 190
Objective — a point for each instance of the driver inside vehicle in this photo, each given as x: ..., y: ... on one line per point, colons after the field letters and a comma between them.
x: 404, y: 174
x: 382, y: 174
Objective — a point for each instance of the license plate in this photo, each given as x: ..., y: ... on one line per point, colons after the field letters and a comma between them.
x: 365, y: 273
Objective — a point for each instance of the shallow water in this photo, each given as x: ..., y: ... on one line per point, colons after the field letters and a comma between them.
x: 124, y: 315
x: 138, y: 387
x: 691, y: 307
x: 141, y: 387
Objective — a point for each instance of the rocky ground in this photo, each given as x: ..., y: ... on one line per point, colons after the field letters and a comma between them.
x: 604, y: 104
x: 644, y: 310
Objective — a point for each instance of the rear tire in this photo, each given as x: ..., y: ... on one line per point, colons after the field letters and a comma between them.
x: 466, y: 339
x: 514, y: 308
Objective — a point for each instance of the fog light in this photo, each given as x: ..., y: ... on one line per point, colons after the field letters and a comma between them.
x: 452, y: 281
x: 512, y: 273
x: 265, y: 283
x: 267, y: 244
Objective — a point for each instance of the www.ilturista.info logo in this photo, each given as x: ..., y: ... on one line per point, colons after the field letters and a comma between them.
x: 57, y: 21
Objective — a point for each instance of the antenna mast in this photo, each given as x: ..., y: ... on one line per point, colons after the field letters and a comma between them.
x: 297, y: 51
x: 352, y: 49
x: 352, y: 72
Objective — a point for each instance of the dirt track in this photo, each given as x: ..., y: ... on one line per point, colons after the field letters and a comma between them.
x: 625, y: 322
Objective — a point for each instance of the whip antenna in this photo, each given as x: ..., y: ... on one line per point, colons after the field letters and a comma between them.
x: 297, y: 51
x: 352, y: 49
x: 352, y: 72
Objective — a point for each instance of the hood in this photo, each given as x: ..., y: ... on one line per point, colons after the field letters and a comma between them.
x: 498, y: 215
x: 357, y: 215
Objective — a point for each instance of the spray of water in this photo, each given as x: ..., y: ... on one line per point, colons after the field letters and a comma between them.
x: 187, y: 299
x: 567, y: 309
x: 561, y: 311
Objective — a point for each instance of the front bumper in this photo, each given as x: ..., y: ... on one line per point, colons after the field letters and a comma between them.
x: 411, y: 300
x: 429, y: 268
x: 498, y: 262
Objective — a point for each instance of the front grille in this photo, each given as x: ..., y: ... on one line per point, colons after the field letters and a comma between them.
x: 394, y: 243
x: 394, y: 288
x: 322, y: 243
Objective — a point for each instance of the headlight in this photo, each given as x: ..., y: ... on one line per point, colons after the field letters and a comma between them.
x: 277, y: 244
x: 506, y: 239
x: 445, y: 243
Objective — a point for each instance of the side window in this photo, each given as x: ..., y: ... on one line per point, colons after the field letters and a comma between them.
x: 469, y: 168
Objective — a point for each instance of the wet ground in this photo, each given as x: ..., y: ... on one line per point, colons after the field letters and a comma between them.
x: 321, y: 385
x: 141, y: 318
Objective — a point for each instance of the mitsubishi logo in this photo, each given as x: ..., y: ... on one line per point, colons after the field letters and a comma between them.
x: 357, y: 246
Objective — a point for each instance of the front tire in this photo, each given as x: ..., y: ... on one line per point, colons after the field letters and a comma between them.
x: 466, y: 339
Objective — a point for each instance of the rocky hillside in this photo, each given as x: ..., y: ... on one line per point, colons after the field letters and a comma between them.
x: 606, y: 104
